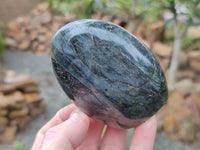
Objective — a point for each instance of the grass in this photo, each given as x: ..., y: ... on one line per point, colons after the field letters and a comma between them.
x: 18, y: 145
x: 102, y: 134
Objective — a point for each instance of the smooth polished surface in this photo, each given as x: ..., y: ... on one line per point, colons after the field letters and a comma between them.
x: 108, y: 72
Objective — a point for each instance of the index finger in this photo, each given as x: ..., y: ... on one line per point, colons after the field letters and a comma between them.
x: 60, y: 117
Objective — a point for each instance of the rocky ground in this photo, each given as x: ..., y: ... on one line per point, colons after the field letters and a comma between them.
x: 35, y: 31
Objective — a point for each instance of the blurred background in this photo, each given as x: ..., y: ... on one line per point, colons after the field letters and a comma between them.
x: 30, y: 94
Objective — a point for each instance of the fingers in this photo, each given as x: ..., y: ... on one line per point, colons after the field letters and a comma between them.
x: 61, y: 115
x: 69, y: 127
x: 63, y: 131
x: 114, y: 139
x: 91, y: 141
x: 144, y: 135
x: 67, y: 135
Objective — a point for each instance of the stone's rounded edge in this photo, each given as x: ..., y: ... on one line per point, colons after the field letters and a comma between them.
x: 89, y: 22
x: 106, y: 114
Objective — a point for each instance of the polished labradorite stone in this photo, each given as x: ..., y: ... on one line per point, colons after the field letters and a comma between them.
x: 107, y: 72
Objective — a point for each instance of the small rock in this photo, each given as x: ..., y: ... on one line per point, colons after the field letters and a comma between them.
x: 183, y: 60
x: 21, y: 122
x: 7, y: 88
x: 41, y: 47
x: 182, y: 74
x: 197, y: 77
x: 10, y: 42
x: 197, y: 87
x: 42, y: 6
x: 106, y: 17
x: 44, y: 18
x: 49, y: 37
x: 30, y: 89
x: 55, y: 27
x: 41, y: 53
x: 185, y: 84
x: 26, y: 83
x: 16, y: 78
x: 10, y: 73
x: 164, y: 63
x: 176, y: 130
x: 128, y: 27
x: 9, y: 134
x: 117, y: 21
x: 41, y: 50
x: 23, y: 21
x: 19, y: 106
x: 34, y: 45
x: 40, y: 30
x: 59, y: 18
x: 196, y: 98
x: 37, y: 108
x: 96, y: 16
x: 162, y: 50
x: 41, y: 38
x: 18, y: 113
x: 33, y: 36
x: 195, y: 65
x: 21, y: 84
x: 22, y: 36
x: 194, y: 32
x: 11, y: 100
x: 3, y: 123
x: 3, y: 112
x: 32, y: 97
x: 194, y: 55
x: 24, y: 45
x: 13, y: 28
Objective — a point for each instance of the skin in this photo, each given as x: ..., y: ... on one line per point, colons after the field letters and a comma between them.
x: 73, y: 130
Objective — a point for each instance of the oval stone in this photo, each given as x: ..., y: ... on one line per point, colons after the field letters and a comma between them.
x: 108, y: 72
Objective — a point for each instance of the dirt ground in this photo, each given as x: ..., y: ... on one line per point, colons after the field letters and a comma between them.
x: 10, y: 9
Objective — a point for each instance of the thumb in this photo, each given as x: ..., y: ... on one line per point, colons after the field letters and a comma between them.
x: 67, y: 135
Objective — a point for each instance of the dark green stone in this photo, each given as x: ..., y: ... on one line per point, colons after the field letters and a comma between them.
x: 109, y: 73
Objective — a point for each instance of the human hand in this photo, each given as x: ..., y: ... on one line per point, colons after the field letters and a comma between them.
x: 71, y: 129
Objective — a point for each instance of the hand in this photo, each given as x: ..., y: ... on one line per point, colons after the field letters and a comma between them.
x: 71, y: 129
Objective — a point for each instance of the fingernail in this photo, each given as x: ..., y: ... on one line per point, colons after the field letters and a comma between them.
x: 77, y: 115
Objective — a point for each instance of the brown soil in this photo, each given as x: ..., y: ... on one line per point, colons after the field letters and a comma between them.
x: 10, y: 9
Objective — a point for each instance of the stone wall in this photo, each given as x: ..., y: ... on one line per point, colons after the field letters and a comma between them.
x: 20, y: 102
